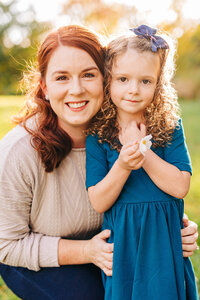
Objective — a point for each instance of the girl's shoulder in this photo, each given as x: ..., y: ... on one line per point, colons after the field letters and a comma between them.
x: 94, y: 142
x: 178, y: 130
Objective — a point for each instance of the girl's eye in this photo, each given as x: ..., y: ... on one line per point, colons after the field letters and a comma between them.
x: 63, y: 77
x: 122, y: 79
x: 145, y: 81
x: 89, y: 75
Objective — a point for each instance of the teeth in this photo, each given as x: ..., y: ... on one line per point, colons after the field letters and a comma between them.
x: 76, y: 104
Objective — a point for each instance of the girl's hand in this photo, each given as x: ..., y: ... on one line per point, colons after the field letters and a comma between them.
x: 130, y: 157
x: 132, y: 132
x: 189, y: 237
x: 100, y: 252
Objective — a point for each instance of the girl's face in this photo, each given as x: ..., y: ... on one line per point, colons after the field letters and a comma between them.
x: 74, y: 85
x: 133, y: 83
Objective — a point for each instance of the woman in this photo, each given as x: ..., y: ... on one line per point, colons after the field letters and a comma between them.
x: 42, y: 179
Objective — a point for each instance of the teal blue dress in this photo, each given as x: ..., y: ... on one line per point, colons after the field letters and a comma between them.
x: 145, y: 225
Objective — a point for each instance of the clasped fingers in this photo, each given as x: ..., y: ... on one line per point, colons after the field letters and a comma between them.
x: 130, y: 157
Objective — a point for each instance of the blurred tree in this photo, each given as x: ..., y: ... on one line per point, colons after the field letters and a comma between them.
x: 176, y: 8
x: 19, y: 34
x: 102, y: 16
x: 188, y: 64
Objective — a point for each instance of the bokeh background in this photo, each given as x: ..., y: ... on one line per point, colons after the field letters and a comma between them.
x: 24, y: 23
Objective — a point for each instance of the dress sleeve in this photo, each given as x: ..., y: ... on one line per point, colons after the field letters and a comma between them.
x: 96, y: 162
x: 176, y: 153
x: 19, y: 246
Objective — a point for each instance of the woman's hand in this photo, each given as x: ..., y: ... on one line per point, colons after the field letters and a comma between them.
x: 189, y: 237
x: 100, y: 252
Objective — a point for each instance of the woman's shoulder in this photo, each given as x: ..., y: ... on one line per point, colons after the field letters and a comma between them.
x: 16, y: 147
x: 16, y: 138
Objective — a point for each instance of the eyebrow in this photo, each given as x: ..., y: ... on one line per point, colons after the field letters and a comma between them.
x: 119, y: 74
x: 127, y: 75
x: 66, y: 72
x: 149, y: 77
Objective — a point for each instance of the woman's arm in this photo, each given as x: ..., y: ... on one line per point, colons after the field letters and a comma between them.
x: 95, y: 250
x: 166, y: 176
x: 19, y: 245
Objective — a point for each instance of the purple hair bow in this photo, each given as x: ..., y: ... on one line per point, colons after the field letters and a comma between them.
x: 149, y: 33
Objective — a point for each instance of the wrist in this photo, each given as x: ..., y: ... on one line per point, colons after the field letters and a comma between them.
x: 86, y: 251
x: 147, y: 158
x: 122, y: 167
x: 72, y: 252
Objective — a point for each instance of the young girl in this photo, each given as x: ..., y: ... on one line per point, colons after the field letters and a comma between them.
x: 141, y: 189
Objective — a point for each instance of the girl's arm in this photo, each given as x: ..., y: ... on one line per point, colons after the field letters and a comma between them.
x: 166, y: 176
x: 104, y: 194
x: 172, y: 173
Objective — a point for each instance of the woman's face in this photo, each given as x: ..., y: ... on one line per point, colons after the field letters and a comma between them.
x: 74, y: 85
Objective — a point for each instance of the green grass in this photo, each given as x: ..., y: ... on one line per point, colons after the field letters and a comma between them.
x: 190, y: 116
x: 5, y: 293
x: 9, y: 105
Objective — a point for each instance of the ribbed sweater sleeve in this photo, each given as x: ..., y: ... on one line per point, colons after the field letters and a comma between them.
x: 19, y: 246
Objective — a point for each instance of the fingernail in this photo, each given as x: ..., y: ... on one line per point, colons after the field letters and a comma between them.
x: 197, y: 248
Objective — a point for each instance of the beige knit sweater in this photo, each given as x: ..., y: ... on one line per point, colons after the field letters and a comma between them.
x: 37, y: 208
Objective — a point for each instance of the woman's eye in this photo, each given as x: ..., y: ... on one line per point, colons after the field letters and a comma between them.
x: 145, y: 81
x: 61, y: 78
x: 122, y: 79
x: 89, y: 75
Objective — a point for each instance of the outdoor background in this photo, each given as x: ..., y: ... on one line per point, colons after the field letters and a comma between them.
x: 24, y: 23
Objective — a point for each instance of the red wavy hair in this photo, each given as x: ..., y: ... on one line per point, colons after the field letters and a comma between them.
x: 50, y: 141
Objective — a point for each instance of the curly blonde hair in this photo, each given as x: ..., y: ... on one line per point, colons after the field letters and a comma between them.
x: 161, y: 115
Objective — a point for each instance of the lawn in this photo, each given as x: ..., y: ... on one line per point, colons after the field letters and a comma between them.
x: 9, y: 105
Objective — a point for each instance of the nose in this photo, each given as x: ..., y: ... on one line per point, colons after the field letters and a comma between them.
x: 133, y: 87
x: 76, y: 87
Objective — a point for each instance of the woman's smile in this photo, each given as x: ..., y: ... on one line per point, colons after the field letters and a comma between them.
x: 77, y: 106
